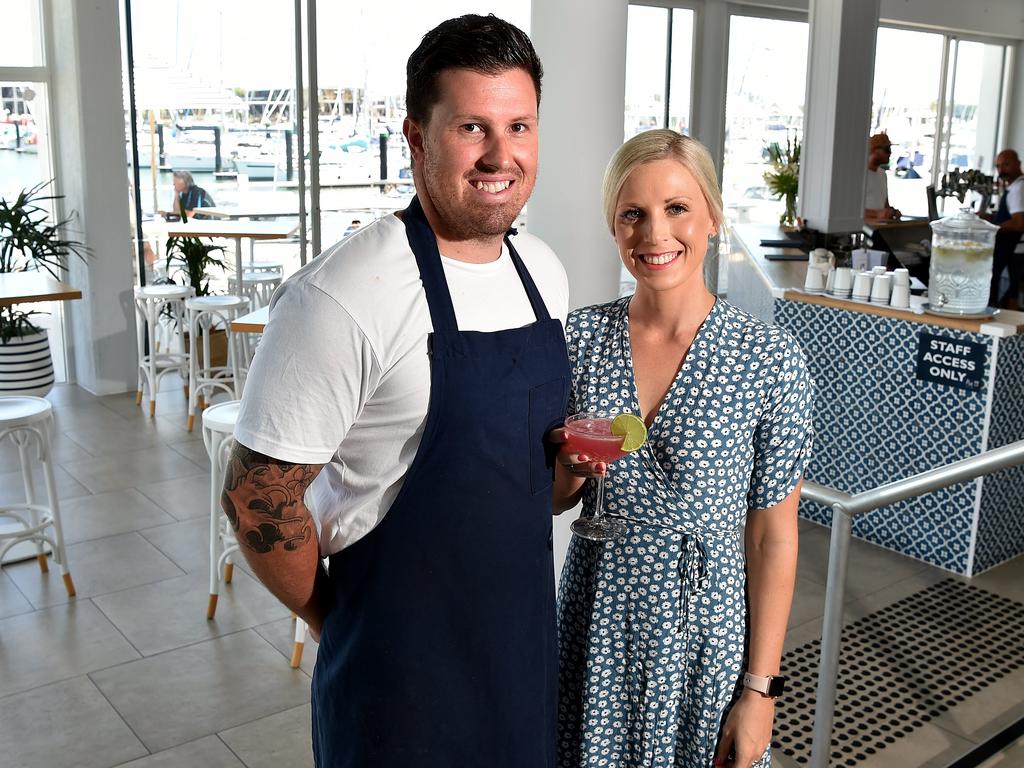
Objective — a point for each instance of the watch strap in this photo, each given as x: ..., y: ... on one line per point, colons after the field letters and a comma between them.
x: 770, y: 686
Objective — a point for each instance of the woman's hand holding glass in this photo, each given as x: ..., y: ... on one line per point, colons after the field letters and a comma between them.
x: 577, y: 464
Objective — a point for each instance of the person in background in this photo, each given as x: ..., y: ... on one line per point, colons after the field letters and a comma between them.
x: 189, y: 195
x: 407, y: 379
x: 1009, y: 216
x: 671, y: 638
x: 876, y: 189
x: 355, y: 225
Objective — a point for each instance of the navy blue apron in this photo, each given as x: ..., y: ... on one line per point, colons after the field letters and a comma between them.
x: 440, y: 648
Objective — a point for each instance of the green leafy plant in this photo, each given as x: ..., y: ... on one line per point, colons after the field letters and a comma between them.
x: 784, y: 178
x: 193, y: 259
x: 29, y: 241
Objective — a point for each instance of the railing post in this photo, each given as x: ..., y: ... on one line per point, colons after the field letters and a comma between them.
x: 831, y: 636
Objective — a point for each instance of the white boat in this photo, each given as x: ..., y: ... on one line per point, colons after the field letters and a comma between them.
x: 190, y: 157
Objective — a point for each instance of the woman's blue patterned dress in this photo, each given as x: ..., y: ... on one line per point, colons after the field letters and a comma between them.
x: 652, y: 628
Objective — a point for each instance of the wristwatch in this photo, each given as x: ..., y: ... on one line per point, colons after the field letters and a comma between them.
x: 769, y: 686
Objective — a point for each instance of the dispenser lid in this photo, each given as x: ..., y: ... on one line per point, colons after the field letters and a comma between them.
x: 964, y: 221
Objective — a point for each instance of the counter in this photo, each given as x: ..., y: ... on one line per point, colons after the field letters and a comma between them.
x: 899, y: 393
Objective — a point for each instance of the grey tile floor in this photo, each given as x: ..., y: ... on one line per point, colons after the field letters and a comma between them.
x: 130, y: 672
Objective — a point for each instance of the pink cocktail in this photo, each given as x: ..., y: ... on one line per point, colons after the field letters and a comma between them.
x: 590, y: 434
x: 592, y: 437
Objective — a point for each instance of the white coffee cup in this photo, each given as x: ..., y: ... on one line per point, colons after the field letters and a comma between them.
x: 900, y: 298
x: 862, y: 286
x: 814, y: 282
x: 830, y: 280
x: 880, y: 287
x: 878, y: 270
x: 842, y: 284
x: 901, y: 276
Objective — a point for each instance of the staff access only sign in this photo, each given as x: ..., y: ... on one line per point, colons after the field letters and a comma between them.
x: 953, y: 362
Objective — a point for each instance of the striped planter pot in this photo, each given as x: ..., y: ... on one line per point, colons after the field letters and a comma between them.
x: 26, y: 367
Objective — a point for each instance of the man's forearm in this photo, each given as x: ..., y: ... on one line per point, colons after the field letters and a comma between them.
x: 263, y: 500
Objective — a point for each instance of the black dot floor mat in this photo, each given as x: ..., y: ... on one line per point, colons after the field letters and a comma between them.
x: 901, y: 667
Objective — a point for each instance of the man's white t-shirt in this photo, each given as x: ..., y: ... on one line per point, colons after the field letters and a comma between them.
x: 341, y: 376
x: 876, y: 191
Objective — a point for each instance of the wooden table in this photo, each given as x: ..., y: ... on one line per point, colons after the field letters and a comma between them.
x: 233, y: 230
x: 254, y: 322
x: 32, y: 287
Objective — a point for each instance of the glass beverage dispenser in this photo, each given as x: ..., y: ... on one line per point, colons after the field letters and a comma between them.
x: 960, y: 272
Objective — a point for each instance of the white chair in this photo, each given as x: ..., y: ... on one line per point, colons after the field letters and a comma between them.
x: 272, y: 267
x: 205, y: 314
x: 28, y: 422
x: 150, y: 302
x: 258, y: 287
x: 218, y: 427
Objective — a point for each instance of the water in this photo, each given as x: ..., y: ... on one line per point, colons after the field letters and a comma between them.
x: 959, y: 277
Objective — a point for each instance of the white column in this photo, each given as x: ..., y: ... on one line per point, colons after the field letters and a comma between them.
x: 840, y: 70
x: 710, y: 79
x: 1015, y: 121
x: 582, y: 44
x: 89, y: 142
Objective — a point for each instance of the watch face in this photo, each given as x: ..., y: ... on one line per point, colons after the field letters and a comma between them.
x: 777, y: 686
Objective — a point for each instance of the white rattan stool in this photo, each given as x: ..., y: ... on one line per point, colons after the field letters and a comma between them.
x: 273, y: 267
x: 28, y: 422
x: 258, y: 287
x: 150, y: 302
x: 218, y: 427
x: 205, y: 378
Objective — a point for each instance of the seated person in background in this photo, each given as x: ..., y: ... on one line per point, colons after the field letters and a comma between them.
x: 356, y: 224
x: 1009, y: 216
x: 188, y: 195
x: 876, y: 191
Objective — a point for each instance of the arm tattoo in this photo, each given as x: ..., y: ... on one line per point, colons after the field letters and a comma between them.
x: 267, y: 492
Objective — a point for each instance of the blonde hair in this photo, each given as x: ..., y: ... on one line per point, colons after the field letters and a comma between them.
x: 660, y: 144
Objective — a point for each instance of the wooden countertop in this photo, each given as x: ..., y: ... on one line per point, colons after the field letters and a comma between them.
x: 32, y: 287
x: 787, y: 279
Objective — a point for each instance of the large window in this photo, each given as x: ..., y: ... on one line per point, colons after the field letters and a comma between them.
x: 764, y: 105
x: 215, y: 92
x: 939, y: 98
x: 659, y: 71
x: 26, y: 158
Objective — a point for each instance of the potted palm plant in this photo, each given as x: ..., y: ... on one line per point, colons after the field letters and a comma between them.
x: 190, y: 259
x: 29, y: 241
x: 784, y: 178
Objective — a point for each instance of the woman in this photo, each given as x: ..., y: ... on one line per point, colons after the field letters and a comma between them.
x: 653, y: 629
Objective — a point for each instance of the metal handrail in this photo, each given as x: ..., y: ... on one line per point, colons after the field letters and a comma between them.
x: 845, y: 507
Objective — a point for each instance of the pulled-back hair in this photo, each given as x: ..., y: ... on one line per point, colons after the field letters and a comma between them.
x: 660, y: 144
x: 484, y: 44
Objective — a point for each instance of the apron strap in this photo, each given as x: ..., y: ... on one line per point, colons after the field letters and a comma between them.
x: 428, y: 260
x: 540, y: 310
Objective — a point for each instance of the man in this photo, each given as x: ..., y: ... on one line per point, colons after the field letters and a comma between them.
x: 1009, y: 216
x: 188, y: 195
x: 410, y: 392
x: 876, y: 190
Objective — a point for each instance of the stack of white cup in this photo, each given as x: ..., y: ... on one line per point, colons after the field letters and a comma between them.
x: 900, y: 296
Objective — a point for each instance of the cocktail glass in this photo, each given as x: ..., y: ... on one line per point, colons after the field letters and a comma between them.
x: 590, y: 434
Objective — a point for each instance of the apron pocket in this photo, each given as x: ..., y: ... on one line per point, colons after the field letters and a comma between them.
x: 547, y: 411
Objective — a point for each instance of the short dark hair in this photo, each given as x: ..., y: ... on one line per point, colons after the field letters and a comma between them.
x: 483, y: 44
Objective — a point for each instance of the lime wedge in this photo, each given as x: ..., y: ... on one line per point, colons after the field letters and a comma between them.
x: 632, y: 429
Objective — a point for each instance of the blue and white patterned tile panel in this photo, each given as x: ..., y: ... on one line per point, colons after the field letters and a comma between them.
x: 877, y: 423
x: 1001, y: 522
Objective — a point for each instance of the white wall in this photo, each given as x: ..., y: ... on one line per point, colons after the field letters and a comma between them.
x: 88, y: 127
